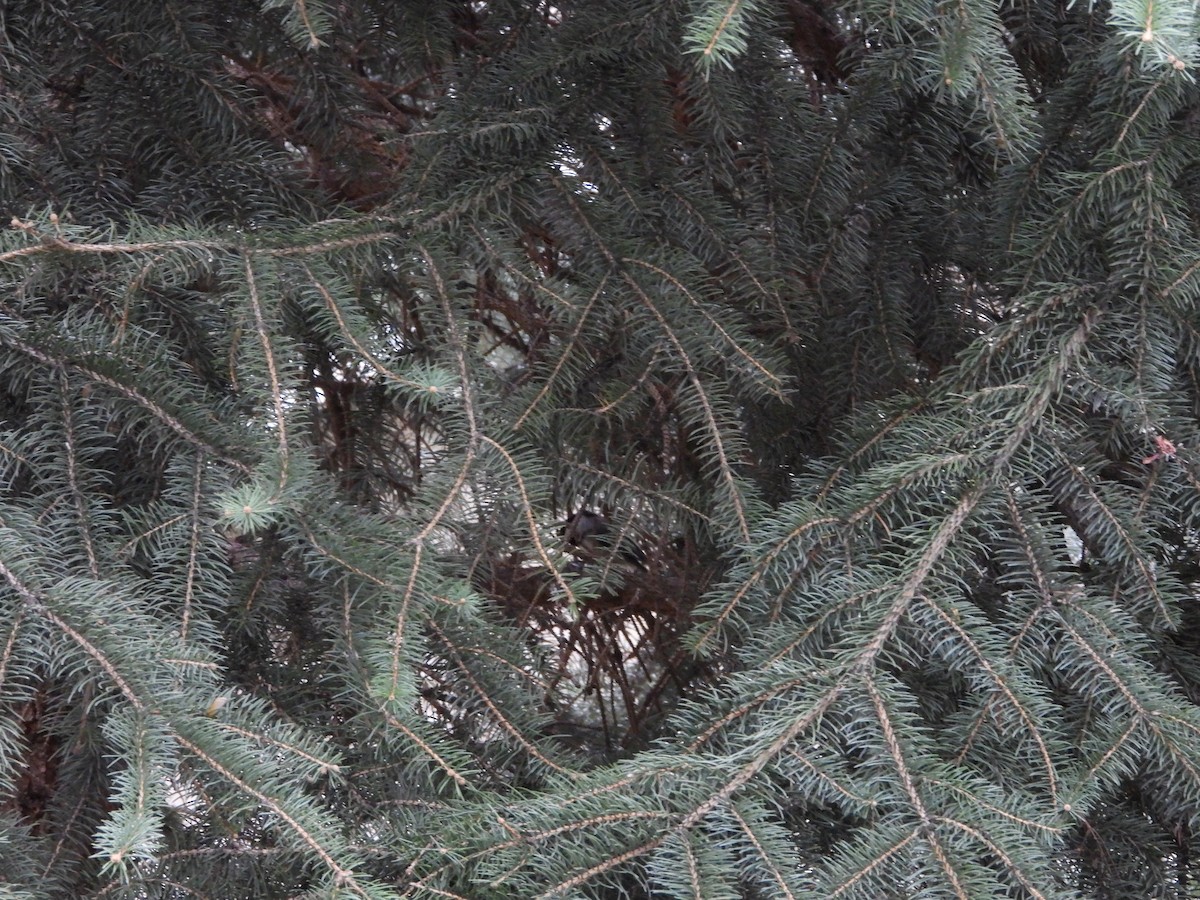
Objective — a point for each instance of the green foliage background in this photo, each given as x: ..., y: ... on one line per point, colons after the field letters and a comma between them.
x: 872, y: 327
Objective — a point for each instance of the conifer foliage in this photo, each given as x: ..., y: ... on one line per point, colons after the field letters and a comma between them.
x: 613, y: 449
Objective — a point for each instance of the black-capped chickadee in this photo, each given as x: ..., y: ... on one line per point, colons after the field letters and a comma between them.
x: 591, y: 535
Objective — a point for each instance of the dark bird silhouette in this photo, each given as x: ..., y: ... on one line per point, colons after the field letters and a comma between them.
x: 589, y: 533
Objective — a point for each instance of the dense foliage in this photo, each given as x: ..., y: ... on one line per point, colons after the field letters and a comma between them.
x: 622, y: 448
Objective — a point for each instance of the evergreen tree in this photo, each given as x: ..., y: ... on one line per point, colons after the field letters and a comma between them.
x: 623, y: 448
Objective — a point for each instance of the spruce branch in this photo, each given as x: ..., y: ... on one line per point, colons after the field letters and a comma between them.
x: 275, y: 386
x: 342, y: 871
x: 40, y: 604
x: 733, y: 488
x: 77, y: 494
x: 147, y: 402
x: 851, y: 882
x: 908, y: 783
x: 564, y: 356
x: 734, y: 346
x: 717, y: 32
x: 194, y: 544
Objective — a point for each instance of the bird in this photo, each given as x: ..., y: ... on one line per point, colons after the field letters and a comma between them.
x: 590, y: 534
